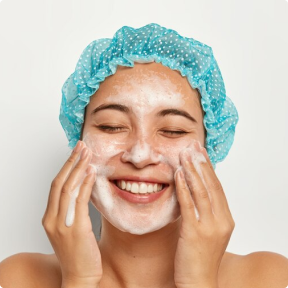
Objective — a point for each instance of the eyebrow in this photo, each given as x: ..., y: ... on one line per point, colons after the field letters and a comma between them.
x: 117, y: 107
x: 162, y: 113
x: 176, y: 112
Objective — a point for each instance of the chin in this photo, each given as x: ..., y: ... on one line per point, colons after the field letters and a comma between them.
x: 146, y: 228
x: 134, y: 218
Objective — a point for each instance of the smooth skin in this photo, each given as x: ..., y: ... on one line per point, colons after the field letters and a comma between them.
x: 187, y: 253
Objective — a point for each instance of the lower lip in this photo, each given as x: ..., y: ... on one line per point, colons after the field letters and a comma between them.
x: 138, y: 198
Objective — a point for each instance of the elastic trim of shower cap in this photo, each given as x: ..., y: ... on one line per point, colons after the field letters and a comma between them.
x: 150, y: 43
x: 221, y: 115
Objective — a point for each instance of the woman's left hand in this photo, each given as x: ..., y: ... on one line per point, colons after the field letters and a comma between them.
x: 202, y: 242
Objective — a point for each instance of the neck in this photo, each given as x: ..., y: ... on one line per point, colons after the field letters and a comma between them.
x: 138, y: 260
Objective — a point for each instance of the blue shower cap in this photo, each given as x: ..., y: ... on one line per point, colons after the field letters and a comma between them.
x: 149, y: 43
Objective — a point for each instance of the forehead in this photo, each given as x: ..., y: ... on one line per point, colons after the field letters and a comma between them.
x: 136, y: 83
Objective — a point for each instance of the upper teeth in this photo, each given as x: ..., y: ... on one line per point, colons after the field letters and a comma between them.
x: 139, y: 187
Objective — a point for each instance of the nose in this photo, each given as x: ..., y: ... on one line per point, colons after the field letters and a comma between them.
x: 141, y: 155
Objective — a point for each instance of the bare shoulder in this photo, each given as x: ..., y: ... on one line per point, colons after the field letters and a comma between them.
x: 267, y: 269
x: 258, y: 269
x: 31, y: 270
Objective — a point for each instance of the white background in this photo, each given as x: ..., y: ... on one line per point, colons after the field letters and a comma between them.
x: 40, y: 43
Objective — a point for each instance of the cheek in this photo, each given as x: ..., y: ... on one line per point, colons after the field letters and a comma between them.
x: 170, y: 154
x: 103, y: 147
x: 170, y: 151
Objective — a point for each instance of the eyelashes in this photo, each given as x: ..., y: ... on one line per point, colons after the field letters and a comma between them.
x: 174, y: 132
x: 118, y: 129
x: 110, y: 128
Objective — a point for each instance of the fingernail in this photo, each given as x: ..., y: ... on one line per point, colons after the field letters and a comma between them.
x: 186, y: 154
x: 84, y: 153
x: 90, y: 170
x: 177, y: 171
x: 204, y: 151
x: 77, y: 147
x: 181, y: 174
x: 198, y: 146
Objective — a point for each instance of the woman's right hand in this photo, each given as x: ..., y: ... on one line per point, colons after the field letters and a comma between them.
x: 75, y: 247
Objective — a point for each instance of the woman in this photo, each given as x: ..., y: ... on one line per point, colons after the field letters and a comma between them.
x: 142, y: 162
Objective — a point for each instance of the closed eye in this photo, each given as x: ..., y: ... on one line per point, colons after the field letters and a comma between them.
x: 174, y: 132
x: 110, y: 128
x: 118, y: 128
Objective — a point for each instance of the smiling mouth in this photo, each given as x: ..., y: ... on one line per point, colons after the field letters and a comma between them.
x: 139, y: 187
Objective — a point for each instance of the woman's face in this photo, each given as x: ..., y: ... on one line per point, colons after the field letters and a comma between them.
x: 136, y: 124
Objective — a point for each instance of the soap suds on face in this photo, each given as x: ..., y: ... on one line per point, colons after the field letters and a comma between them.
x: 140, y: 152
x: 156, y: 90
x: 110, y: 156
x: 130, y: 217
x: 146, y: 93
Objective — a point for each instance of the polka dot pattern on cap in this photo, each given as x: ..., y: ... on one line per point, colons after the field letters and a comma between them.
x: 149, y: 43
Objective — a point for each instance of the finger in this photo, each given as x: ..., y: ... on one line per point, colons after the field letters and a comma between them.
x: 218, y: 197
x: 187, y: 206
x: 57, y: 184
x: 82, y: 201
x: 204, y: 151
x: 190, y: 162
x: 72, y: 185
